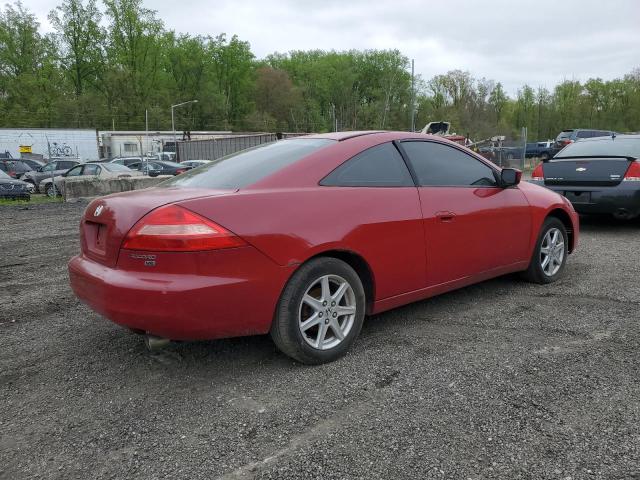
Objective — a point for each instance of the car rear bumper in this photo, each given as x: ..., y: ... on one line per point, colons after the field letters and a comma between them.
x: 240, y: 300
x: 587, y: 200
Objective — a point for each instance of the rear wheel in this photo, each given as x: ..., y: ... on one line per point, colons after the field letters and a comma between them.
x: 550, y: 254
x: 51, y: 191
x: 320, y: 312
x: 544, y: 157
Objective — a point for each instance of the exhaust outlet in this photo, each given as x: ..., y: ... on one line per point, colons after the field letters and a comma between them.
x: 155, y: 344
x: 622, y: 214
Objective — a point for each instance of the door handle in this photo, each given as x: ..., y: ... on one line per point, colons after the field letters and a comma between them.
x: 446, y: 216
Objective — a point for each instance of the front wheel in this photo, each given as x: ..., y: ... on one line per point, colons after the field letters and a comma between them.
x: 320, y: 312
x: 550, y: 254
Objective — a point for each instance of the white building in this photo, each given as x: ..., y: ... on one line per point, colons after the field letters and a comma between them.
x: 133, y: 143
x: 46, y: 142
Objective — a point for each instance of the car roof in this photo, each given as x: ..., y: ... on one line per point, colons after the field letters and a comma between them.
x: 376, y: 135
x: 610, y: 138
x: 341, y: 136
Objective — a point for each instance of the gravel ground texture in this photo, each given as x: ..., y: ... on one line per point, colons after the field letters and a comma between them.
x: 503, y: 379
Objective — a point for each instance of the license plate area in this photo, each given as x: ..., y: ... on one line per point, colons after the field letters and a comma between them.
x: 96, y: 237
x: 578, y: 197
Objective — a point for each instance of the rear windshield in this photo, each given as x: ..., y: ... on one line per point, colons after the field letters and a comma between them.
x: 623, y: 147
x: 564, y: 134
x: 116, y: 167
x: 248, y: 166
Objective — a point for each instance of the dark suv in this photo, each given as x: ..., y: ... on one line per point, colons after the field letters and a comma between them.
x: 572, y: 135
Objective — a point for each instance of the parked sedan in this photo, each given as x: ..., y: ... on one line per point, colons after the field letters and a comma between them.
x: 598, y: 175
x: 53, y: 168
x: 14, y: 168
x: 304, y: 237
x: 195, y: 163
x: 99, y: 170
x: 153, y: 168
x: 13, y: 189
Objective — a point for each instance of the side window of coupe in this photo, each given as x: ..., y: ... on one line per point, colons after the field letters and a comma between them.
x: 380, y: 166
x: 437, y: 164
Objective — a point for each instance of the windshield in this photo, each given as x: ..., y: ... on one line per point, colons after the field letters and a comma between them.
x: 248, y: 166
x: 622, y: 147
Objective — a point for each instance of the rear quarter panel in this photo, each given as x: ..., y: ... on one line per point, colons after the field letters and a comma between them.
x: 382, y: 225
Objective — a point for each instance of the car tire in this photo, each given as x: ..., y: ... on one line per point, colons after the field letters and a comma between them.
x: 544, y: 157
x: 549, y: 255
x: 323, y: 301
x: 51, y: 193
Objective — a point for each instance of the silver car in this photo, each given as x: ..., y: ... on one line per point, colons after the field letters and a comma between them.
x: 53, y: 168
x: 99, y: 170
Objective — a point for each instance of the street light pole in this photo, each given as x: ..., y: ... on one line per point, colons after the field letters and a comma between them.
x: 173, y: 124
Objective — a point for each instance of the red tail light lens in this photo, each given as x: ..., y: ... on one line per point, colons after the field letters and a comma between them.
x: 538, y: 173
x: 633, y: 172
x: 176, y: 229
x: 180, y: 170
x: 567, y: 141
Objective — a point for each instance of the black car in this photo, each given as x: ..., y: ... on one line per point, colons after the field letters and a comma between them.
x: 598, y: 175
x: 14, y: 168
x: 13, y: 189
x: 572, y: 135
x: 153, y: 168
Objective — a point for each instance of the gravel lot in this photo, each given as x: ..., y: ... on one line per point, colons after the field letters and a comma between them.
x: 500, y: 380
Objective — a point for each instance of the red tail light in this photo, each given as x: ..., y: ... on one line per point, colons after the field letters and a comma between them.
x: 567, y: 141
x: 538, y: 173
x: 633, y: 172
x: 175, y: 229
x: 180, y: 170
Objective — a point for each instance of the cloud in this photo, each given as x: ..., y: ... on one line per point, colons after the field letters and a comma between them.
x: 539, y: 42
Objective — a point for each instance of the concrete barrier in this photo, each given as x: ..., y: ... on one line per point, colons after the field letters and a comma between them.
x: 88, y: 187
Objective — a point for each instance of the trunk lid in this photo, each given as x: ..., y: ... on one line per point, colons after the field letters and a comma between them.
x: 107, y: 220
x: 585, y: 171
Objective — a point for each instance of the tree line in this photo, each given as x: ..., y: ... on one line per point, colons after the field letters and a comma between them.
x: 114, y: 65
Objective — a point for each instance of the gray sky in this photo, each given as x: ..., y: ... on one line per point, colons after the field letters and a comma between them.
x: 539, y: 42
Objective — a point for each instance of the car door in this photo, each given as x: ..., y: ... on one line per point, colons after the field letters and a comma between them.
x: 471, y: 224
x: 91, y: 169
x: 376, y: 187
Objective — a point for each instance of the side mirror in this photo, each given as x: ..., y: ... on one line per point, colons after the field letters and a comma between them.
x: 510, y: 177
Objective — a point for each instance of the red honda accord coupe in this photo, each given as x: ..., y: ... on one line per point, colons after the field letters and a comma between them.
x: 304, y: 237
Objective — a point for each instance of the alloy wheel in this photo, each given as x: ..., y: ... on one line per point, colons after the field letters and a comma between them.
x: 552, y: 252
x: 327, y: 312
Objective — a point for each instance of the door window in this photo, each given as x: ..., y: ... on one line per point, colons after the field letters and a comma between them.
x: 380, y: 166
x: 75, y: 171
x: 91, y: 170
x: 437, y: 164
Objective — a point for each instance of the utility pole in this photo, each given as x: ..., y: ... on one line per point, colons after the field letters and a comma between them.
x: 173, y: 125
x: 413, y: 98
x: 146, y: 126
